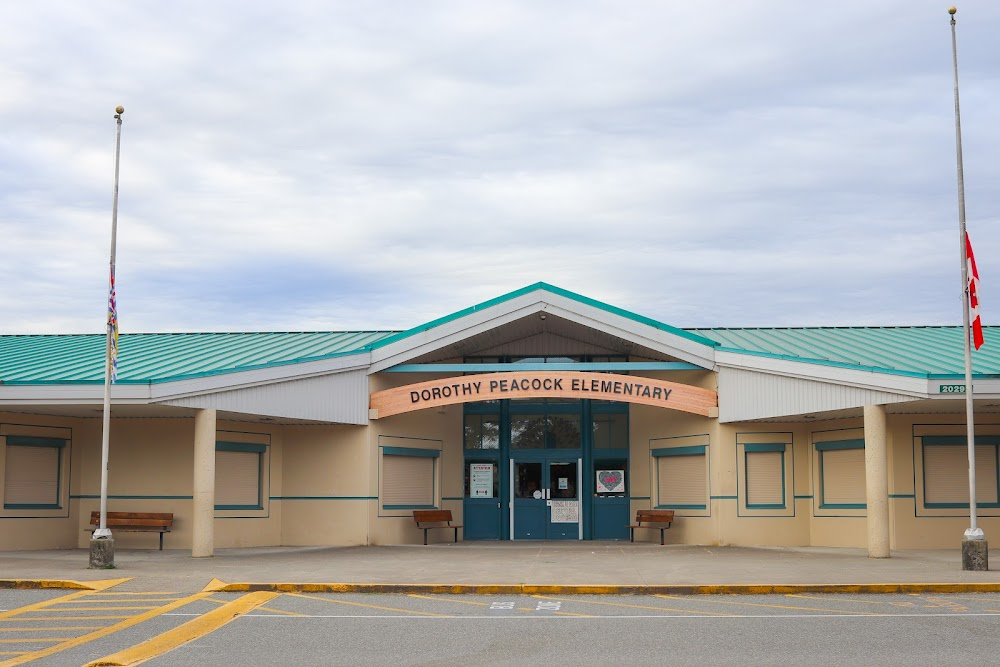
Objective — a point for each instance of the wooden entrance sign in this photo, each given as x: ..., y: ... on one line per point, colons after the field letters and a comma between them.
x: 543, y: 384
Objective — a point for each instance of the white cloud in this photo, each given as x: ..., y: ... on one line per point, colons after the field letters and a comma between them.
x: 318, y: 166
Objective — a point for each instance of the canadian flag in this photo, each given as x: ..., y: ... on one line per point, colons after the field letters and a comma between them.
x: 973, y: 273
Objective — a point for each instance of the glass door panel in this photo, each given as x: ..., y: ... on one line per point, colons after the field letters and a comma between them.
x: 529, y: 510
x: 564, y: 506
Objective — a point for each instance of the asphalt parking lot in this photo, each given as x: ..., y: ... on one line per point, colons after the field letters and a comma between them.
x: 105, y: 627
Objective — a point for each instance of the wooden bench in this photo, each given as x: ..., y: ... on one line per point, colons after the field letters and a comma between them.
x: 428, y: 519
x: 651, y: 519
x: 135, y: 522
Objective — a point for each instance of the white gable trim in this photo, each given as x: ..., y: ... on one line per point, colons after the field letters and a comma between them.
x: 479, y: 321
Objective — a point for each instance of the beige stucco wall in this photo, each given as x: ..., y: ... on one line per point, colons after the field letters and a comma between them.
x: 432, y: 429
x: 326, y: 489
x: 42, y: 529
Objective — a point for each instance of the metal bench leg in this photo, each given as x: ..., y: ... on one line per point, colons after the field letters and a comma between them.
x: 661, y: 536
x: 456, y: 534
x: 631, y: 534
x: 161, y: 540
x: 425, y: 537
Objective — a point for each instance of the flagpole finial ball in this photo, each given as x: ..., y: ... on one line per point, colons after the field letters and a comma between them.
x: 952, y: 10
x: 119, y: 109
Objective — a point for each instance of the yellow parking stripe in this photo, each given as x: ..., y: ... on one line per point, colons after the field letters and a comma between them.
x: 59, y: 628
x: 91, y: 600
x: 25, y: 640
x: 840, y: 598
x: 67, y: 618
x: 40, y: 605
x: 361, y: 604
x: 128, y: 622
x: 438, y: 599
x: 771, y: 606
x: 76, y: 609
x: 635, y: 606
x: 193, y: 629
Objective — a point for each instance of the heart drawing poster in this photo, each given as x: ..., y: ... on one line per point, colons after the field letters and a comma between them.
x: 611, y: 481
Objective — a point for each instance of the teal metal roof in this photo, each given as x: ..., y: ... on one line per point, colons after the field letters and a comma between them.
x: 917, y: 351
x: 143, y: 358
x: 148, y: 358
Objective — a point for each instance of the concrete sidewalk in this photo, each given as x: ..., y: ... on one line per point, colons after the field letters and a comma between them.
x: 608, y: 567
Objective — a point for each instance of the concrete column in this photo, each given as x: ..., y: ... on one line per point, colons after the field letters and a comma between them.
x: 876, y: 481
x: 203, y: 520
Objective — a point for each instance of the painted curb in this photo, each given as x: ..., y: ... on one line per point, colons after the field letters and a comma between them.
x: 641, y: 589
x: 44, y: 583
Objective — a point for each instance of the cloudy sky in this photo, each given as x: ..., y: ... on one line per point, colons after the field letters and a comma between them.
x: 345, y: 165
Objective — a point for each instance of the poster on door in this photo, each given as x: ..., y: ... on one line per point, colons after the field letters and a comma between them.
x: 480, y: 480
x: 565, y: 511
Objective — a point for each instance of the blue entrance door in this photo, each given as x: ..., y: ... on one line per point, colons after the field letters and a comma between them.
x: 546, y: 499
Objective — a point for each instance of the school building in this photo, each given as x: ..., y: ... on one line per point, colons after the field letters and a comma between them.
x: 538, y: 415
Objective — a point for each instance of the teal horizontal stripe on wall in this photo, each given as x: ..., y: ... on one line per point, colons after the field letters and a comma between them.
x: 324, y: 497
x: 840, y: 444
x: 723, y: 497
x: 803, y: 497
x: 679, y: 451
x: 95, y: 497
x: 764, y: 447
x: 909, y: 495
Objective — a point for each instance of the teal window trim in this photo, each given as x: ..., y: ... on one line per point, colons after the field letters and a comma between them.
x: 840, y: 444
x: 765, y: 448
x: 249, y: 448
x: 409, y: 507
x: 239, y: 447
x: 676, y: 506
x: 959, y: 440
x: 724, y: 498
x: 843, y: 506
x: 34, y: 441
x: 955, y: 441
x: 694, y: 450
x: 411, y: 451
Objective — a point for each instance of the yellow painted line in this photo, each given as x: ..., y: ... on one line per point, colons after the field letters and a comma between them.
x: 90, y: 600
x: 193, y: 629
x: 76, y: 609
x: 846, y: 599
x: 26, y: 640
x: 439, y: 599
x: 128, y: 622
x: 66, y: 618
x: 268, y: 609
x: 362, y: 604
x: 214, y: 585
x: 98, y: 585
x: 636, y: 606
x: 111, y: 593
x: 60, y: 627
x: 38, y: 606
x: 770, y: 606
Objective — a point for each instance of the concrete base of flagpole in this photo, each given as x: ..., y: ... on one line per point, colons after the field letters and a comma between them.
x: 975, y: 555
x: 102, y: 553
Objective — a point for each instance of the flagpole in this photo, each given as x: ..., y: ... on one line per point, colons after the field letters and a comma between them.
x: 102, y: 546
x: 974, y: 547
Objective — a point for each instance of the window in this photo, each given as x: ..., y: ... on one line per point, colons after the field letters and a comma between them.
x: 682, y: 477
x: 33, y: 472
x: 842, y: 474
x: 610, y: 430
x: 482, y: 431
x: 946, y: 471
x: 408, y: 478
x: 239, y: 475
x: 764, y: 468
